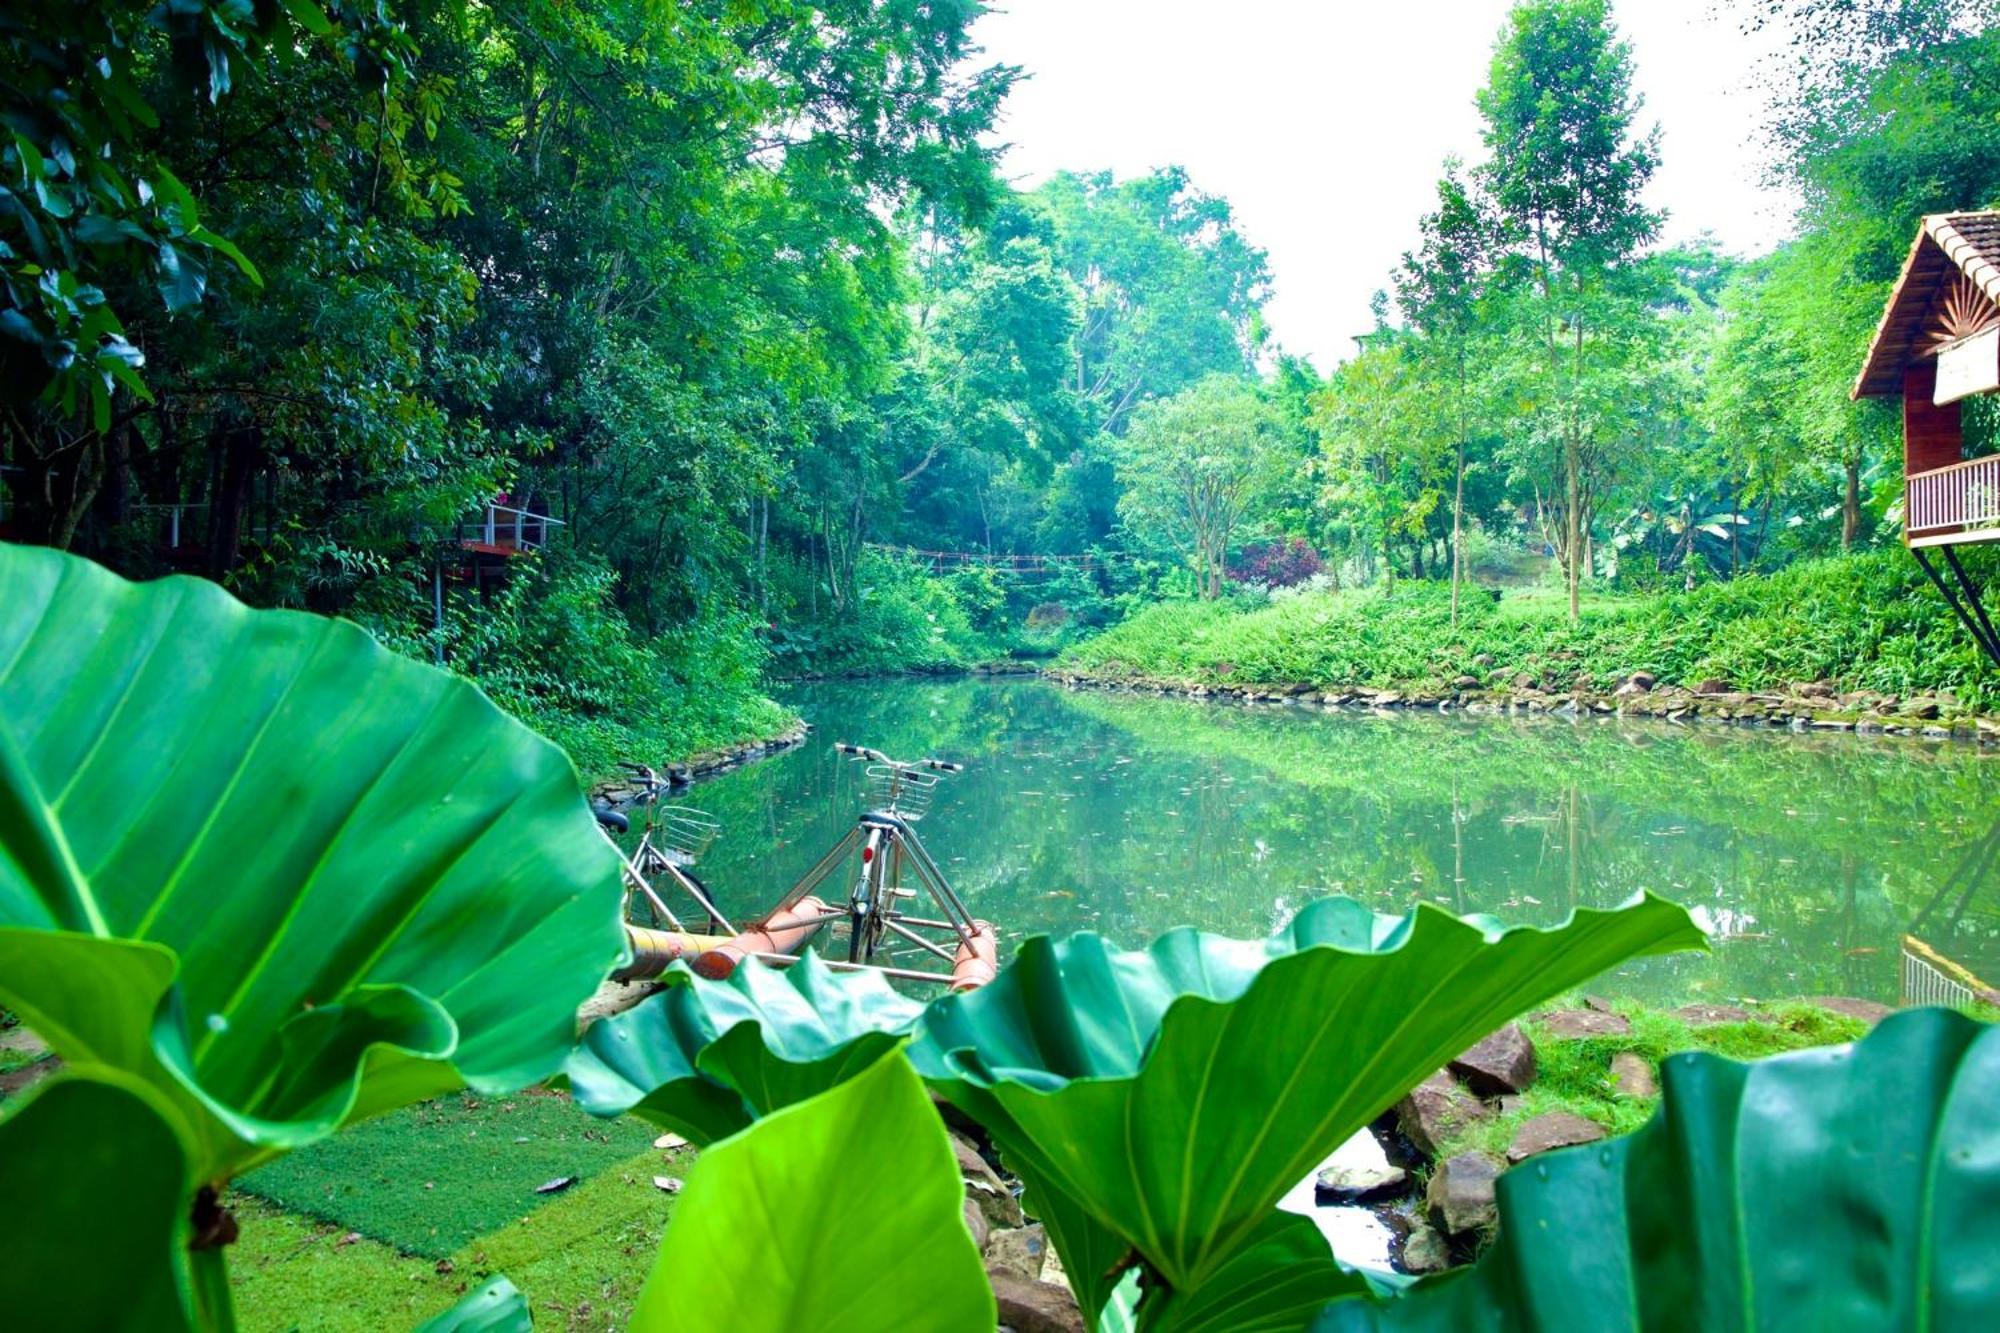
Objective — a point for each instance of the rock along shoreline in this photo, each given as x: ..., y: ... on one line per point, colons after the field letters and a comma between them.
x: 1816, y: 707
x: 706, y: 763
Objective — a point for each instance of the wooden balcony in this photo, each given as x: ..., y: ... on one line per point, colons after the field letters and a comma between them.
x: 1955, y: 505
x: 502, y: 530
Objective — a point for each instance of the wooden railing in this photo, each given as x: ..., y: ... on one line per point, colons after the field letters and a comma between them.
x: 1960, y: 496
x: 507, y: 528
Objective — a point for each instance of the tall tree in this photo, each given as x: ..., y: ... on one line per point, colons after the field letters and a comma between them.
x: 1195, y: 465
x: 1171, y: 291
x: 1382, y: 437
x: 1439, y: 287
x: 1566, y: 169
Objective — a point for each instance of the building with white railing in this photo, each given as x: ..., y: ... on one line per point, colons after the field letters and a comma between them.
x: 1937, y: 345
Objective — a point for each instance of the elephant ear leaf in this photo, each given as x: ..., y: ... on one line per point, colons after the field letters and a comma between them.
x: 1840, y: 1188
x: 95, y: 1181
x: 496, y: 1306
x: 856, y: 1222
x: 706, y: 1058
x: 286, y: 876
x: 1157, y: 1105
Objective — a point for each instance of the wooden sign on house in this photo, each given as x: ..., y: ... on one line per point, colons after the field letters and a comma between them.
x: 1938, y: 344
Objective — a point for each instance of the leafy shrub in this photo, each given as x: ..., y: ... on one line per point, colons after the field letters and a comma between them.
x: 552, y: 648
x: 1866, y: 622
x: 1275, y: 564
x: 901, y: 618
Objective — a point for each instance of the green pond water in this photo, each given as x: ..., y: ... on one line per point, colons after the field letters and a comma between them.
x: 1806, y: 857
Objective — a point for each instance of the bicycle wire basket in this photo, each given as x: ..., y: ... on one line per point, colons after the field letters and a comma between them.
x: 684, y: 832
x: 903, y: 790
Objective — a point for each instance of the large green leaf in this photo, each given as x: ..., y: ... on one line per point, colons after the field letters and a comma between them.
x: 706, y: 1058
x: 1158, y: 1104
x: 1841, y: 1188
x: 495, y: 1306
x: 287, y: 876
x: 95, y: 1183
x: 843, y: 1213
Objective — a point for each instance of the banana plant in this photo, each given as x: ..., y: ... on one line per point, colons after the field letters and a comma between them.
x: 1839, y: 1188
x: 277, y: 874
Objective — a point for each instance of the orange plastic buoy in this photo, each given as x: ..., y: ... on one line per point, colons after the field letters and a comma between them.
x: 783, y: 932
x: 978, y: 960
x: 654, y: 951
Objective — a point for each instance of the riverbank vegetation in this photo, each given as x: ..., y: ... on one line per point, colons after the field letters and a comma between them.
x: 1867, y: 622
x: 729, y: 323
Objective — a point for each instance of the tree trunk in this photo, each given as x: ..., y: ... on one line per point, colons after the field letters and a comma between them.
x: 1457, y: 530
x: 1850, y: 509
x: 231, y: 502
x: 1572, y: 516
x: 1573, y: 480
x: 763, y: 549
x: 1735, y: 534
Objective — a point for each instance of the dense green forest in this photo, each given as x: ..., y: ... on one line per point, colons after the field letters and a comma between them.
x: 732, y: 302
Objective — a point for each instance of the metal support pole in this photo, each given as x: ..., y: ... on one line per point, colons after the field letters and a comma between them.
x: 1978, y: 628
x: 1973, y: 599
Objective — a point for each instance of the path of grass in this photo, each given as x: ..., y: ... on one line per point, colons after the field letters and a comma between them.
x: 581, y: 1258
x: 427, y: 1179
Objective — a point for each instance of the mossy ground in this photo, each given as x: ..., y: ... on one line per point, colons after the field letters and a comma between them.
x: 1574, y: 1075
x: 581, y: 1259
x: 429, y: 1178
x: 390, y: 1222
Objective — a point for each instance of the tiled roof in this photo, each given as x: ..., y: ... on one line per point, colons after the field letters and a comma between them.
x: 1947, y: 245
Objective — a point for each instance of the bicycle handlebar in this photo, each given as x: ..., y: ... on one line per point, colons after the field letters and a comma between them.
x: 863, y: 752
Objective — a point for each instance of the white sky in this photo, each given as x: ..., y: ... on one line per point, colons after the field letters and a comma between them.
x: 1326, y: 123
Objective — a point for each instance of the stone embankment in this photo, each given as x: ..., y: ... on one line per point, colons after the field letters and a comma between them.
x: 619, y: 791
x: 1428, y: 1168
x: 1809, y: 706
x: 1440, y: 1153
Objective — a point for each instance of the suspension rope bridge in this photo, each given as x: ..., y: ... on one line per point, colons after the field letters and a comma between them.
x: 1000, y: 562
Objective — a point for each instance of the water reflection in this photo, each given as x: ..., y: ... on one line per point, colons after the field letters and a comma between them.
x: 1806, y: 857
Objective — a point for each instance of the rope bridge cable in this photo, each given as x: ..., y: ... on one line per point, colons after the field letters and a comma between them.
x: 1001, y: 562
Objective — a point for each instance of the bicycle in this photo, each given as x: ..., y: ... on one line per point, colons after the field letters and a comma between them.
x: 673, y: 839
x: 885, y: 840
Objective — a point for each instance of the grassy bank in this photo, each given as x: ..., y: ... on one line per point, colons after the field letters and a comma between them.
x: 1867, y: 622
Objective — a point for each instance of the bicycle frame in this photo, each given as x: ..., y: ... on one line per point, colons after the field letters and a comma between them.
x: 894, y: 866
x: 652, y: 859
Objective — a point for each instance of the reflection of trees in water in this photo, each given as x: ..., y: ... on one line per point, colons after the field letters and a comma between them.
x: 1806, y: 851
x: 1960, y: 915
x: 1809, y: 853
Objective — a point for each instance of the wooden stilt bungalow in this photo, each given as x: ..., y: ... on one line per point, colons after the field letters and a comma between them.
x: 1939, y: 344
